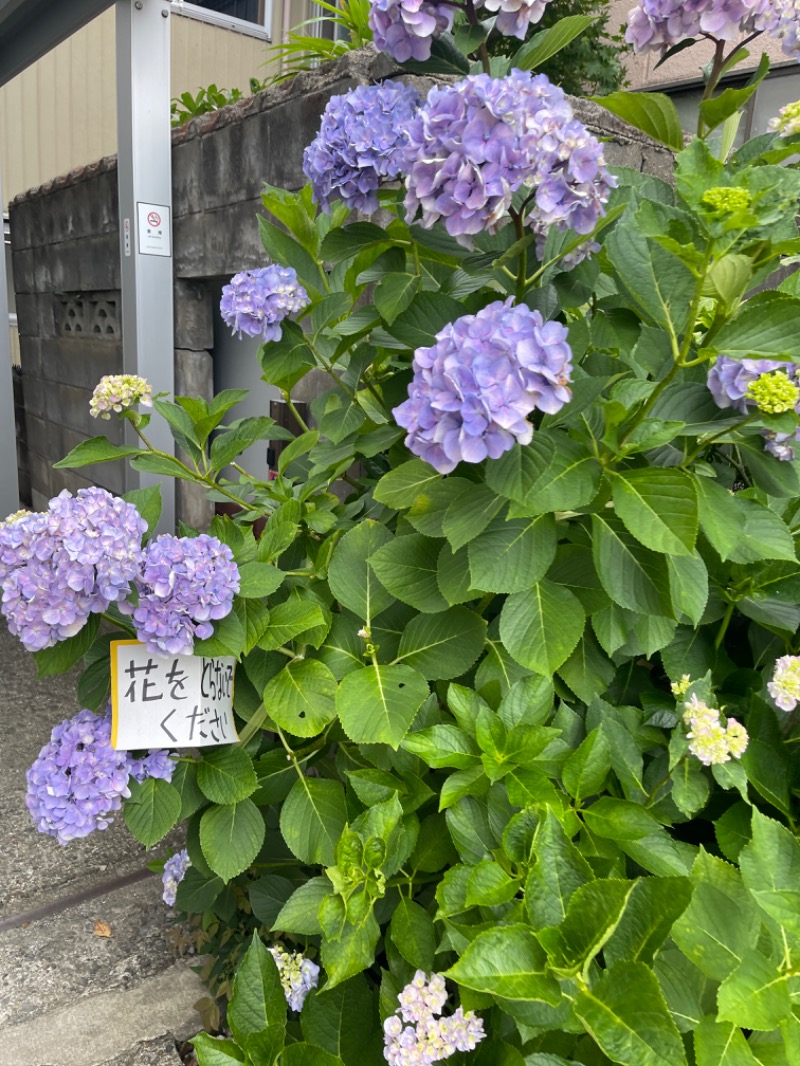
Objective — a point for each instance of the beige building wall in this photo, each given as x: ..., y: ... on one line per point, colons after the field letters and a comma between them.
x: 61, y: 112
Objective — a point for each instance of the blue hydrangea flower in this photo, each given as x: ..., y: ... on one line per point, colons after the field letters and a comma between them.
x: 405, y: 28
x: 473, y: 144
x: 157, y: 763
x: 769, y: 384
x: 514, y: 17
x: 78, y: 781
x: 425, y: 1037
x: 660, y: 24
x: 257, y: 301
x: 174, y: 872
x: 361, y: 143
x: 58, y: 567
x: 473, y: 390
x: 184, y: 584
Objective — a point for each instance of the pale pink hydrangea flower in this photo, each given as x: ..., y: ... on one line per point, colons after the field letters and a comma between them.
x: 117, y: 392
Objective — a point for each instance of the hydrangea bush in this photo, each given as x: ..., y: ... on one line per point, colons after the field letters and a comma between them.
x: 518, y: 657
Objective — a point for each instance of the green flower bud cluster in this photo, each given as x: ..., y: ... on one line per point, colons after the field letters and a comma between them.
x: 726, y: 200
x: 773, y: 393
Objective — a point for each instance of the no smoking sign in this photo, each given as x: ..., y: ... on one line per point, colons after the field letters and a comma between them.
x: 153, y: 229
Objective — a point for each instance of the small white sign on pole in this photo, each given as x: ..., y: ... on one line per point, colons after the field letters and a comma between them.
x: 169, y: 701
x: 154, y: 229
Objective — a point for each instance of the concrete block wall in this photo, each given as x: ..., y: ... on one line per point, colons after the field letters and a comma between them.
x: 65, y: 249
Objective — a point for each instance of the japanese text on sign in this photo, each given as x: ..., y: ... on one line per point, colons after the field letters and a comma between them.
x: 169, y: 701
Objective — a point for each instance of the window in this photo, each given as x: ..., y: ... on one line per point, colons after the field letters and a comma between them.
x: 251, y: 17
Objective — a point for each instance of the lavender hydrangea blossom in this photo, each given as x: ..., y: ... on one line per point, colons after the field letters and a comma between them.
x: 473, y: 144
x: 514, y: 17
x: 297, y: 973
x: 257, y: 301
x: 174, y: 872
x: 78, y: 781
x: 184, y: 584
x: 426, y: 1037
x: 361, y: 142
x: 771, y: 385
x: 58, y: 567
x: 405, y: 28
x: 660, y: 24
x: 473, y: 390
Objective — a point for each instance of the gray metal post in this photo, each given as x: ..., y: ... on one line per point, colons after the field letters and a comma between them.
x: 145, y: 212
x: 9, y: 478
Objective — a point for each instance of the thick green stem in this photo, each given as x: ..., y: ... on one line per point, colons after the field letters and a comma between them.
x: 726, y: 621
x: 297, y: 416
x: 705, y: 442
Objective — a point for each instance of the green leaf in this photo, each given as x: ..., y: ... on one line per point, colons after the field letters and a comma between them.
x: 627, y: 1015
x: 152, y: 810
x: 257, y: 1001
x: 148, y: 503
x: 507, y: 962
x: 511, y: 555
x: 288, y: 620
x: 413, y: 934
x: 632, y: 576
x: 688, y: 583
x: 442, y: 646
x: 588, y: 671
x: 216, y: 1051
x: 299, y: 913
x: 755, y: 333
x: 267, y: 896
x: 350, y: 576
x: 62, y: 656
x: 657, y: 284
x: 543, y: 46
x: 418, y: 325
x: 569, y: 481
x: 559, y: 871
x: 303, y: 1054
x: 327, y: 1020
x: 653, y: 907
x: 587, y: 767
x: 653, y: 113
x: 658, y: 505
x: 400, y: 487
x: 353, y: 952
x: 720, y: 107
x: 407, y: 567
x: 302, y: 698
x: 347, y: 241
x: 755, y: 995
x: 94, y: 450
x: 226, y: 774
x: 259, y: 579
x: 312, y: 819
x: 286, y: 361
x: 469, y: 514
x: 593, y: 913
x: 440, y: 746
x: 284, y: 249
x: 184, y: 779
x: 393, y: 294
x: 770, y: 866
x: 541, y: 626
x: 231, y: 836
x: 720, y: 921
x: 721, y: 1044
x: 488, y: 885
x: 377, y: 704
x: 619, y: 820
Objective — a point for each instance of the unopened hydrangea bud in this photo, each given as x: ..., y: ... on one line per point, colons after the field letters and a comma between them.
x: 361, y: 142
x: 726, y: 200
x: 787, y: 121
x: 117, y: 392
x: 474, y: 388
x: 15, y: 517
x: 773, y: 393
x: 785, y: 684
x: 255, y: 302
x: 680, y: 688
x: 736, y: 738
x: 174, y: 872
x: 297, y: 973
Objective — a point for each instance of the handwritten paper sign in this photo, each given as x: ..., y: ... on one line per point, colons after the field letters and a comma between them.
x: 169, y: 701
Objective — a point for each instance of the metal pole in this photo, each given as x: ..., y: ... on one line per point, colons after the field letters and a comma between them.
x: 9, y: 478
x: 145, y: 211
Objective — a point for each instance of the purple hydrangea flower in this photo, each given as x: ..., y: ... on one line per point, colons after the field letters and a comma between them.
x: 60, y: 566
x: 297, y: 973
x: 427, y: 1038
x: 769, y: 384
x: 157, y: 763
x: 405, y: 28
x: 257, y: 301
x: 515, y: 16
x: 78, y: 781
x: 473, y: 390
x: 473, y: 144
x: 361, y: 142
x: 174, y: 872
x: 184, y: 584
x: 660, y: 24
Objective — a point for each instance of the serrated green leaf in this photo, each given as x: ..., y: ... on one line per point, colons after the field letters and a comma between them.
x: 231, y: 836
x: 302, y: 698
x: 152, y: 810
x: 770, y: 866
x: 312, y: 819
x: 407, y: 567
x: 653, y: 113
x: 506, y: 962
x: 658, y: 505
x: 541, y: 626
x: 377, y: 704
x: 226, y: 774
x: 94, y: 450
x: 442, y: 646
